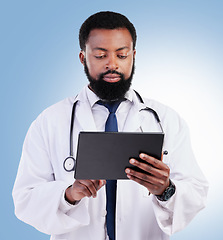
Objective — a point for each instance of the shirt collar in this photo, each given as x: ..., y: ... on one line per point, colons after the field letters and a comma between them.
x: 92, y: 97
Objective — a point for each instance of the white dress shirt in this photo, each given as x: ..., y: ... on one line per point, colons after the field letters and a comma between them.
x: 100, y: 113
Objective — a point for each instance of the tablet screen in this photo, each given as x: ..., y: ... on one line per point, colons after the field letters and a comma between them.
x: 105, y: 155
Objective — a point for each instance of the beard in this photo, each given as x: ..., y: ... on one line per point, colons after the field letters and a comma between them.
x: 108, y: 91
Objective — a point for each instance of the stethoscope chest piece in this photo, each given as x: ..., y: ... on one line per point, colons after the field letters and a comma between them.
x: 68, y: 164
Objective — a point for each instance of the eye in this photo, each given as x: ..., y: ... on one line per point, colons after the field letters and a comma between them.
x: 100, y: 56
x: 122, y: 56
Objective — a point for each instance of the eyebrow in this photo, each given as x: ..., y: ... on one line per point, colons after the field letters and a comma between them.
x: 105, y: 50
x: 122, y: 48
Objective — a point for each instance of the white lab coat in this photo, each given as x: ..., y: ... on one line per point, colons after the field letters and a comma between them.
x: 41, y: 180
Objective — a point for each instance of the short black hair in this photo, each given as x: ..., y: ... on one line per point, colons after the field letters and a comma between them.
x: 105, y: 20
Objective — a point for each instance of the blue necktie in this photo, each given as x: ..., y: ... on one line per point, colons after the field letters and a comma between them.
x: 111, y: 126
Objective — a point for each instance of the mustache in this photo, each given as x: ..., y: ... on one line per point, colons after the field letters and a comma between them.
x: 111, y: 72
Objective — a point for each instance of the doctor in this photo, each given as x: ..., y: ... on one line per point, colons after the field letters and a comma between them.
x: 148, y: 206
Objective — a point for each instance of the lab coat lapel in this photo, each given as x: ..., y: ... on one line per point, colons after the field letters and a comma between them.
x: 84, y: 115
x: 85, y: 118
x: 135, y: 118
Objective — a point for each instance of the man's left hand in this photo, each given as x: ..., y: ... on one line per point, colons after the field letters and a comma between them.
x: 157, y: 179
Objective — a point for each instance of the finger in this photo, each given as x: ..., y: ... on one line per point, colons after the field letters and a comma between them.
x: 98, y: 183
x: 161, y: 157
x: 80, y: 190
x: 90, y: 186
x: 153, y: 161
x: 101, y: 183
x: 151, y: 188
x: 149, y: 169
x: 145, y: 178
x: 140, y: 181
x: 154, y: 189
x: 154, y: 185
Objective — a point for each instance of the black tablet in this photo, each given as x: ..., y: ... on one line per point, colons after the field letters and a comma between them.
x: 105, y: 155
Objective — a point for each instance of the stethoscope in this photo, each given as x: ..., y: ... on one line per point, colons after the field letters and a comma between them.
x: 69, y: 162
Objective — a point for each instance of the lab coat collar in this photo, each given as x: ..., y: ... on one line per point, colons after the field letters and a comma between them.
x: 88, y: 98
x: 83, y: 113
x: 92, y: 97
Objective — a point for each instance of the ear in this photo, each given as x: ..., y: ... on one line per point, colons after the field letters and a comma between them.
x: 82, y: 56
x: 134, y: 53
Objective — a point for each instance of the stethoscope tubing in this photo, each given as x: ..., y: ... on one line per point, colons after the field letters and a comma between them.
x: 67, y: 164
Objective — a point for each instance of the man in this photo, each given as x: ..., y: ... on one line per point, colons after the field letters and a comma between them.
x: 151, y: 205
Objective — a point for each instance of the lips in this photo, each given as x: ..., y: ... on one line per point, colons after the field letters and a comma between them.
x: 111, y: 77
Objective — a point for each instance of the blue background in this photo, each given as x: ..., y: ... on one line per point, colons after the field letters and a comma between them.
x: 178, y: 62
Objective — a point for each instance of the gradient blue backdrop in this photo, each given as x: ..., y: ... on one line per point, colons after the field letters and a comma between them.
x: 179, y: 62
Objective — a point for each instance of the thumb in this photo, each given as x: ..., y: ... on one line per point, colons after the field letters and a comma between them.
x: 101, y: 183
x: 161, y: 157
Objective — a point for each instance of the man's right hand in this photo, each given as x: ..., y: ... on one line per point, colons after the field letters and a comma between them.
x: 83, y: 188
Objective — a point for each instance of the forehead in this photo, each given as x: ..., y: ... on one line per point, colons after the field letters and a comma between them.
x: 110, y: 38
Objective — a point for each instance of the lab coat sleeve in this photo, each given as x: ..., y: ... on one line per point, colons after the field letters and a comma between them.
x: 191, y: 185
x: 38, y: 197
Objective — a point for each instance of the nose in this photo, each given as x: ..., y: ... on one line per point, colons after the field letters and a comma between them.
x: 111, y: 63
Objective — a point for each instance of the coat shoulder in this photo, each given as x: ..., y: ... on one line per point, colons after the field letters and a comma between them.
x: 170, y: 119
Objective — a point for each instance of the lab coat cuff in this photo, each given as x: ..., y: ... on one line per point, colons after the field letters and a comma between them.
x: 164, y: 213
x: 167, y: 205
x: 65, y: 206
